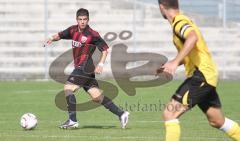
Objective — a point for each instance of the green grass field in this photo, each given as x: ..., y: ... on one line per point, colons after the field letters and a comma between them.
x: 145, y: 123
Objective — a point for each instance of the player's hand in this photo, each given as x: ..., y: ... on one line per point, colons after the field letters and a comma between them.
x: 99, y: 68
x: 170, y: 67
x: 48, y: 42
x: 159, y: 70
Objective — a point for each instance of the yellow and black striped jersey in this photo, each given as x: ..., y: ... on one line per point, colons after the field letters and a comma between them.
x: 199, y: 57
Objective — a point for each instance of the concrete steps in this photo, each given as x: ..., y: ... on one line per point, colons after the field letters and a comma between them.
x: 22, y: 54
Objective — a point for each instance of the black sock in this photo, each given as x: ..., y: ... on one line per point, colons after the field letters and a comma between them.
x: 71, y: 101
x: 108, y: 104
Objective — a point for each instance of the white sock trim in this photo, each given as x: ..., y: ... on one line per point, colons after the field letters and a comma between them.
x: 228, y: 124
x: 172, y: 121
x: 72, y: 121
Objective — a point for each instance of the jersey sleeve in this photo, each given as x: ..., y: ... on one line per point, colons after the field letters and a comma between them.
x: 66, y: 34
x: 100, y: 43
x: 182, y: 28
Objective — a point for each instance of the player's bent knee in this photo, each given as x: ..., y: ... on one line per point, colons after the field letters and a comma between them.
x: 69, y: 89
x: 216, y: 123
x: 96, y: 95
x: 172, y: 114
x: 97, y: 99
x: 168, y: 115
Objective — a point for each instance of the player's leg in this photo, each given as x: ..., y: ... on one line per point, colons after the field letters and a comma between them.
x: 69, y: 90
x: 98, y: 97
x: 192, y: 91
x: 173, y: 110
x: 75, y: 80
x: 171, y: 115
x: 216, y: 118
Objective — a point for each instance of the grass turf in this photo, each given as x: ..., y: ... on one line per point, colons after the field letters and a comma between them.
x: 145, y: 123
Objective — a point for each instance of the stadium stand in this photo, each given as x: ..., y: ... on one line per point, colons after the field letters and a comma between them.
x: 22, y: 32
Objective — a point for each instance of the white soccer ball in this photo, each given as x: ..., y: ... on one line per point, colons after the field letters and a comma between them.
x: 28, y: 121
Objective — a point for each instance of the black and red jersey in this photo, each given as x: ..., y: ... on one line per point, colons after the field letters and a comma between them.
x: 83, y: 43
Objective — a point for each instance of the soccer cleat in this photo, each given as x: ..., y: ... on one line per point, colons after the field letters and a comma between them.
x: 69, y: 124
x: 124, y: 119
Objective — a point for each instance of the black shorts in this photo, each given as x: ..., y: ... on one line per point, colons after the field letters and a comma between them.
x: 196, y: 91
x: 83, y: 79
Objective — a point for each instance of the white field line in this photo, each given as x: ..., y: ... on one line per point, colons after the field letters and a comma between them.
x: 160, y: 121
x: 110, y: 137
x: 39, y: 90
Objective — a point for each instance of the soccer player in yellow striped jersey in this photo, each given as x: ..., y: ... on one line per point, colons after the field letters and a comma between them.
x: 202, y: 75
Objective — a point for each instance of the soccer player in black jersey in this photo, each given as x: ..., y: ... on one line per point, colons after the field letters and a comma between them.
x: 84, y: 42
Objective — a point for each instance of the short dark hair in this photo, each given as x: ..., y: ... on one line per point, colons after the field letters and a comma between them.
x: 169, y: 3
x: 82, y: 12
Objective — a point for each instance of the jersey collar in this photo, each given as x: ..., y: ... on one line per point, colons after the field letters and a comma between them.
x: 85, y: 29
x: 175, y: 17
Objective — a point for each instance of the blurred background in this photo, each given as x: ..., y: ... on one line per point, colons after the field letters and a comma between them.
x: 25, y: 24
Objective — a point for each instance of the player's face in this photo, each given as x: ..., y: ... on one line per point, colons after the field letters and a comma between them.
x: 161, y: 7
x: 82, y: 21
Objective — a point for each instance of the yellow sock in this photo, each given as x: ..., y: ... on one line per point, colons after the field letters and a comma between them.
x: 234, y: 132
x: 172, y: 130
x: 232, y: 129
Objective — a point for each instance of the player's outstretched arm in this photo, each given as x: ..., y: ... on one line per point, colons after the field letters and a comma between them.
x: 99, y: 67
x: 51, y: 39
